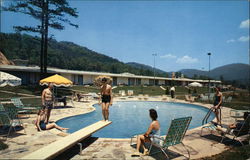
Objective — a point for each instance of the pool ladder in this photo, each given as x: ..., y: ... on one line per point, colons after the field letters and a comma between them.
x: 204, y: 121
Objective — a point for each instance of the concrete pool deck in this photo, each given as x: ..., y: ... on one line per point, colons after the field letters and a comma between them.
x: 21, y: 143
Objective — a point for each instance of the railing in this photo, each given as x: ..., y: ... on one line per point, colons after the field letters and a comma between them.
x: 204, y: 121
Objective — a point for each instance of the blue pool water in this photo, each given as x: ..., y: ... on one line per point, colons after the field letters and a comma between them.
x: 132, y: 117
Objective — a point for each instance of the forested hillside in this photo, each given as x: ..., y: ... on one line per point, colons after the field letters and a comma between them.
x: 66, y: 55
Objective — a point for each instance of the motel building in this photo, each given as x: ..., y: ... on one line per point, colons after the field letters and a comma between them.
x: 31, y: 75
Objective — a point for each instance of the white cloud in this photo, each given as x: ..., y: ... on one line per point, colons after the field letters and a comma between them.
x: 186, y: 60
x: 168, y: 56
x: 244, y: 24
x: 243, y: 39
x: 230, y: 41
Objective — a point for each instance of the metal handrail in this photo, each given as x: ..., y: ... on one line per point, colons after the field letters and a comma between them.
x: 204, y: 121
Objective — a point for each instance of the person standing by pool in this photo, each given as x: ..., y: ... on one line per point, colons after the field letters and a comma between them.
x: 152, y: 132
x: 172, y: 91
x: 47, y: 101
x: 106, y: 98
x: 217, y: 104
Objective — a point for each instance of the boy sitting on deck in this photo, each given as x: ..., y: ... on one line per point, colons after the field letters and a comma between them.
x: 41, y: 125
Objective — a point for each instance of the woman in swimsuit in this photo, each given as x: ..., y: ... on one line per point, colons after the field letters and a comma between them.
x: 40, y: 124
x: 152, y: 132
x: 106, y: 98
x: 217, y: 104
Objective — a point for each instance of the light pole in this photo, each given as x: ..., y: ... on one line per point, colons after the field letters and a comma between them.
x: 154, y: 65
x: 209, y: 54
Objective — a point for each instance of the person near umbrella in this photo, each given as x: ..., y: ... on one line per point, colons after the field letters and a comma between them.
x: 172, y: 91
x: 106, y: 98
x: 41, y: 125
x: 217, y: 104
x: 47, y: 101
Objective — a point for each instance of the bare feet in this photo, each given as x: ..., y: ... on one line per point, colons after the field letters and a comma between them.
x: 136, y: 154
x: 146, y: 152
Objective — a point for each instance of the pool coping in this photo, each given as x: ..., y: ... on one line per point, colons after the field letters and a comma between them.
x: 91, y: 103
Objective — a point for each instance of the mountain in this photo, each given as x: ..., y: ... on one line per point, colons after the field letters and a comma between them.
x: 66, y: 55
x: 231, y: 72
x: 147, y: 67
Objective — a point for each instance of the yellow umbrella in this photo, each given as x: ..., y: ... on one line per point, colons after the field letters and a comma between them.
x: 57, y: 81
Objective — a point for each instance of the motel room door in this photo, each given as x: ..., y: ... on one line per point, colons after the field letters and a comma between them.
x: 80, y: 79
x: 114, y: 81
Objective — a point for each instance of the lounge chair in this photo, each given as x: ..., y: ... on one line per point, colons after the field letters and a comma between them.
x: 10, y: 118
x: 1, y: 108
x: 174, y: 136
x: 189, y: 98
x: 130, y: 92
x: 229, y: 99
x: 122, y: 93
x: 21, y: 107
x: 234, y: 133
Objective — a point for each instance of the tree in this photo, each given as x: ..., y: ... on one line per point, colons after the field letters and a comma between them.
x: 221, y: 78
x: 50, y: 13
x: 195, y: 76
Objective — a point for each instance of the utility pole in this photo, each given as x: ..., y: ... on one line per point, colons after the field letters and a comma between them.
x: 209, y: 54
x: 154, y: 66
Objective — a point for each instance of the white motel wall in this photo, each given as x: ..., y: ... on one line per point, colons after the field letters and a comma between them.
x: 31, y: 75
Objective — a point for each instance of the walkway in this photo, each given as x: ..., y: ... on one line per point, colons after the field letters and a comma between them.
x: 99, y: 148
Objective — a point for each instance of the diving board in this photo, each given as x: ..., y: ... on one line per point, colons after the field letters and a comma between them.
x: 57, y: 147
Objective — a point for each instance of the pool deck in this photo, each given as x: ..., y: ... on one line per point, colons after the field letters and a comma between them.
x: 21, y: 143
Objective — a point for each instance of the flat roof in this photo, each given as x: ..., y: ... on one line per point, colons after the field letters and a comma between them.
x: 78, y: 72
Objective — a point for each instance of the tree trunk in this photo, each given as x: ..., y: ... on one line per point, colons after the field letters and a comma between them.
x: 46, y: 37
x: 42, y: 43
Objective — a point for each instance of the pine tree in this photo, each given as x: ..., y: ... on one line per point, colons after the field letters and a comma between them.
x: 50, y: 13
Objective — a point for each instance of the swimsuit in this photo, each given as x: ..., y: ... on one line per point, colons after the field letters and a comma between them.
x: 106, y: 98
x: 217, y: 101
x: 48, y: 104
x: 42, y: 125
x: 155, y: 136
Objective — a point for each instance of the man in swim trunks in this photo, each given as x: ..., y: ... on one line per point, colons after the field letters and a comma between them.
x: 47, y: 101
x: 106, y: 98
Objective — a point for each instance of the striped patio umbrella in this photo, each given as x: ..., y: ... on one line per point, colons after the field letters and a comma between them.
x: 8, y: 79
x: 57, y: 81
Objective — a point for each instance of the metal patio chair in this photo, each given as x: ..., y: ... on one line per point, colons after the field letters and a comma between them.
x: 174, y: 136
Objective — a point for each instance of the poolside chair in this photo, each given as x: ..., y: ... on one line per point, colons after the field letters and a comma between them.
x: 174, y: 136
x: 234, y: 133
x: 229, y: 99
x: 21, y: 107
x: 6, y: 121
x: 130, y: 92
x: 1, y: 108
x: 189, y: 98
x: 122, y: 93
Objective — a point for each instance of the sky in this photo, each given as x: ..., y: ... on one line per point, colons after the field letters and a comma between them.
x: 178, y: 33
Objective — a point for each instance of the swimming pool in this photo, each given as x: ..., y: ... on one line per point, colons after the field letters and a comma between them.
x: 132, y: 117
